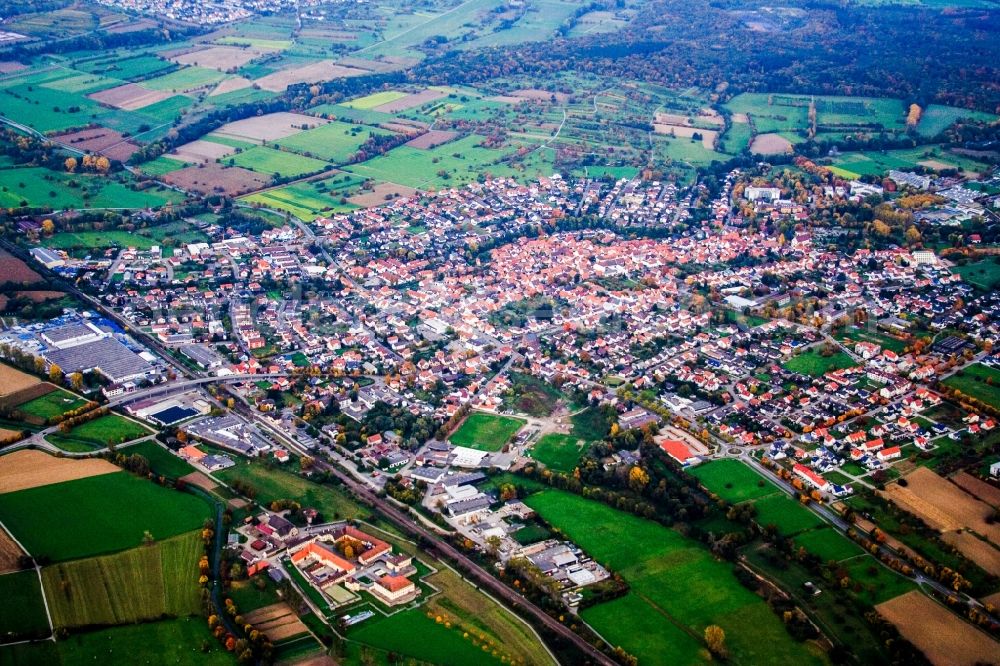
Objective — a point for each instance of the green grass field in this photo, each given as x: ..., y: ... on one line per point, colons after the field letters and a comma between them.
x: 852, y: 333
x: 676, y: 589
x: 828, y: 544
x: 789, y: 516
x: 70, y: 240
x: 177, y: 641
x: 22, y: 613
x: 789, y: 113
x: 186, y: 78
x: 812, y: 363
x: 127, y: 68
x: 276, y: 163
x: 375, y: 99
x: 334, y: 142
x: 591, y: 423
x: 486, y: 432
x: 972, y: 381
x: 45, y: 109
x: 453, y: 164
x: 162, y: 461
x: 92, y: 518
x: 733, y: 481
x: 878, y: 163
x: 937, y: 118
x: 309, y: 200
x: 560, y: 453
x: 139, y: 584
x: 98, y: 433
x: 984, y: 274
x: 274, y: 484
x: 875, y: 583
x: 38, y: 186
x: 52, y: 404
x: 162, y: 165
x: 413, y: 634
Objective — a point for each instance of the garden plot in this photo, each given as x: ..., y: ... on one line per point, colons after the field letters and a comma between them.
x: 535, y: 95
x: 215, y: 178
x: 201, y: 151
x: 222, y: 58
x: 29, y: 468
x: 324, y: 70
x: 270, y: 127
x: 277, y: 621
x: 129, y: 97
x: 770, y: 144
x: 380, y: 194
x: 101, y: 140
x: 432, y: 139
x: 230, y: 85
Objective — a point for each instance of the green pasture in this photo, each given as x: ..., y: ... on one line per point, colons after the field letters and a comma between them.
x: 676, y: 589
x: 97, y: 514
x: 276, y: 163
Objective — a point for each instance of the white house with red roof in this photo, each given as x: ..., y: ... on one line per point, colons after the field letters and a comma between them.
x: 810, y: 477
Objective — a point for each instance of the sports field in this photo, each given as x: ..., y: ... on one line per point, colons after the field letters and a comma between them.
x: 64, y: 521
x: 676, y: 589
x: 486, y: 432
x: 143, y: 583
x: 558, y: 452
x: 22, y: 613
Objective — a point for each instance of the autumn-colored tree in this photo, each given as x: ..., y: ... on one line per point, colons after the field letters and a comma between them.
x: 48, y: 227
x: 55, y: 374
x: 76, y: 381
x: 913, y: 236
x: 913, y: 116
x: 71, y: 164
x: 881, y: 228
x: 102, y: 164
x: 637, y: 478
x: 715, y: 638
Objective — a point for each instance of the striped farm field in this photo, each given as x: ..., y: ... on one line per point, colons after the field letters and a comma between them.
x: 375, y: 99
x: 143, y: 583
